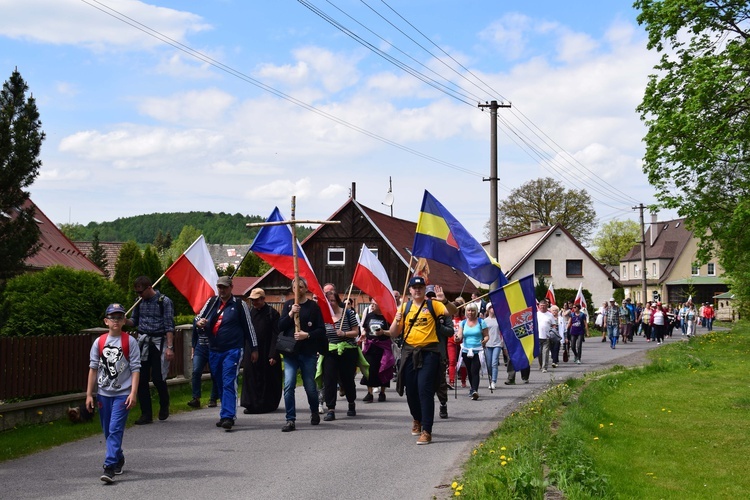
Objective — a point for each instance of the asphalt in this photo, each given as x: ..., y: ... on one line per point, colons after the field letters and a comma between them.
x: 372, y: 455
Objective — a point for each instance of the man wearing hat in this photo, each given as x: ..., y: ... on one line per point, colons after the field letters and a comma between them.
x: 262, y: 381
x: 227, y: 322
x: 420, y: 354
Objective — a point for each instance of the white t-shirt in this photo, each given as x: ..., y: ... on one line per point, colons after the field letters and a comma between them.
x: 546, y: 320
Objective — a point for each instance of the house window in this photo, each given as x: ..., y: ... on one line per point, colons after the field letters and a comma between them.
x: 374, y: 251
x: 711, y: 269
x: 695, y: 270
x: 574, y: 267
x: 653, y: 270
x: 543, y: 267
x: 336, y: 256
x: 624, y: 272
x: 636, y: 271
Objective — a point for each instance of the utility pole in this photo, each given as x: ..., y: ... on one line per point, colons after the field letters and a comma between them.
x: 643, y: 254
x: 493, y: 178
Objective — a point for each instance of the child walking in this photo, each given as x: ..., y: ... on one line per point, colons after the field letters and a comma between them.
x: 114, y: 366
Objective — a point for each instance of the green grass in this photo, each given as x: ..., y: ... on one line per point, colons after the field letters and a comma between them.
x: 28, y: 439
x: 675, y: 428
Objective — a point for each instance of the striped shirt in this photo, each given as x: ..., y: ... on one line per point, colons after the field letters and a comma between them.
x: 350, y: 323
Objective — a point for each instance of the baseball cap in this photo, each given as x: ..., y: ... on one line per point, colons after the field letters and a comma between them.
x: 114, y: 308
x: 417, y: 281
x: 257, y: 293
x: 430, y: 291
x: 224, y: 281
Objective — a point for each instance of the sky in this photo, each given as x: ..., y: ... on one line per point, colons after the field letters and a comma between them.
x: 238, y: 105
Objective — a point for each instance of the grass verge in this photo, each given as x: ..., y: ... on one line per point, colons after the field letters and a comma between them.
x: 675, y: 428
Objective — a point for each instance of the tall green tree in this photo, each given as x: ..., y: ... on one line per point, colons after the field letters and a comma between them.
x: 253, y: 266
x: 547, y: 201
x: 97, y: 254
x: 187, y: 237
x: 137, y: 268
x: 21, y: 139
x: 614, y: 240
x: 151, y: 264
x: 74, y: 231
x: 125, y: 258
x: 696, y: 109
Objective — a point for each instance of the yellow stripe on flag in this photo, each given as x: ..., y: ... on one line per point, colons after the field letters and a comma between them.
x: 514, y: 295
x: 528, y: 346
x: 433, y: 225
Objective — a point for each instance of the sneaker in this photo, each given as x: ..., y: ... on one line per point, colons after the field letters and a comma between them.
x: 118, y: 466
x: 424, y: 438
x: 330, y: 416
x: 475, y: 395
x: 450, y: 385
x: 463, y: 384
x: 219, y: 422
x: 288, y: 426
x: 143, y: 420
x: 444, y: 411
x: 163, y: 413
x: 381, y: 397
x: 416, y: 428
x: 314, y: 418
x: 212, y: 403
x: 194, y: 403
x: 510, y: 382
x: 554, y: 365
x: 578, y: 361
x: 492, y: 386
x: 352, y: 411
x: 544, y: 370
x: 321, y: 410
x: 525, y: 381
x: 108, y: 476
x: 227, y: 423
x: 368, y: 398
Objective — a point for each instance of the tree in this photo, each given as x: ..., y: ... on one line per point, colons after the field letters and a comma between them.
x: 151, y: 265
x: 614, y: 240
x: 698, y: 139
x: 547, y: 201
x: 253, y: 266
x: 97, y: 255
x: 21, y: 139
x: 122, y: 267
x: 74, y: 231
x: 187, y: 237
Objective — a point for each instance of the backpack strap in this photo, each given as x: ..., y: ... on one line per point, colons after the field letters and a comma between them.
x: 124, y: 340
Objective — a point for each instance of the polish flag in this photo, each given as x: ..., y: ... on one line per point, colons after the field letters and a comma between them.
x: 580, y: 299
x: 551, y: 295
x: 371, y: 278
x: 194, y: 274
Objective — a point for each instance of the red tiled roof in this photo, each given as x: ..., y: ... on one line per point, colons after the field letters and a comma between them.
x: 111, y: 252
x: 241, y: 285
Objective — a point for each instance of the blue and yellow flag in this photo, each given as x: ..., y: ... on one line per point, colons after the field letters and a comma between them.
x: 442, y: 238
x: 515, y: 309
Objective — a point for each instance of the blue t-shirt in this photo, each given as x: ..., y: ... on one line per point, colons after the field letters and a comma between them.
x: 472, y: 335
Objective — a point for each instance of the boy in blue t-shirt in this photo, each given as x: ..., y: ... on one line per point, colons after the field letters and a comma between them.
x: 114, y: 367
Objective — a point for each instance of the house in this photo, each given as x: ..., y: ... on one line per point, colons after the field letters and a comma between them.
x: 227, y: 255
x: 671, y: 273
x: 552, y: 252
x: 333, y: 251
x: 725, y: 310
x: 111, y: 252
x: 55, y: 248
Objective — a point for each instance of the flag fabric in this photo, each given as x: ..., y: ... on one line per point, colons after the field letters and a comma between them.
x: 273, y: 244
x: 370, y: 277
x: 442, y: 238
x: 551, y: 295
x: 515, y: 310
x: 580, y: 299
x: 194, y: 274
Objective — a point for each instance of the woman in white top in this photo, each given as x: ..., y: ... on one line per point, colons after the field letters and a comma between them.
x: 494, y: 346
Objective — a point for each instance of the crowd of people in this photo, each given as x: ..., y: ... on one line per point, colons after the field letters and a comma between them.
x: 427, y: 352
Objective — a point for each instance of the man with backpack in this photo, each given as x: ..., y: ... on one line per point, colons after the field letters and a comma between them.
x: 420, y: 354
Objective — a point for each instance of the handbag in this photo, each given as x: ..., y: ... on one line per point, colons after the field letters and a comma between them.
x: 286, y: 344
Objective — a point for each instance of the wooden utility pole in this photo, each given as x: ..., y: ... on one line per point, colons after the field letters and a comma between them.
x: 643, y: 255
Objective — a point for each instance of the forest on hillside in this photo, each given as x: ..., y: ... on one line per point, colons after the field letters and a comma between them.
x: 144, y: 229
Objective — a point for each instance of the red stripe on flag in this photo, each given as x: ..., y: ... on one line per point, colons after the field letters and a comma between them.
x: 372, y: 286
x: 190, y: 282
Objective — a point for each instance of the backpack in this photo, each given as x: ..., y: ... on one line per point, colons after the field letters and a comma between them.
x: 125, y: 345
x: 443, y: 331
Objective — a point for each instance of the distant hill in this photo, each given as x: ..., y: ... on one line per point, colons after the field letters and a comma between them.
x: 216, y: 227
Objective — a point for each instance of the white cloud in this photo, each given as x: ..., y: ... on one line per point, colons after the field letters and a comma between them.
x: 282, y: 190
x: 61, y: 21
x: 193, y: 107
x: 334, y: 71
x: 55, y: 175
x: 508, y: 34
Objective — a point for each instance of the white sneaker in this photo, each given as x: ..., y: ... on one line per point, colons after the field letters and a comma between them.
x: 320, y: 409
x: 492, y: 386
x: 544, y: 371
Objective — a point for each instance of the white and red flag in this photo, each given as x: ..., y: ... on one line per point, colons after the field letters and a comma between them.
x: 371, y: 278
x: 551, y: 295
x: 580, y: 299
x: 194, y: 274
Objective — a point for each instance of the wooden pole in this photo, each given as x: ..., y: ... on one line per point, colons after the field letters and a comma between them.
x: 296, y: 262
x: 348, y: 295
x: 140, y: 299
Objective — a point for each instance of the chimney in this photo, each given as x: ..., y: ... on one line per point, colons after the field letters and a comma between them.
x: 354, y: 191
x: 654, y: 229
x: 535, y: 224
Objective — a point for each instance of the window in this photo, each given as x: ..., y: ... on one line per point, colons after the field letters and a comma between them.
x: 653, y: 270
x: 711, y: 269
x: 574, y: 267
x: 336, y: 256
x: 636, y: 271
x: 624, y: 272
x: 543, y: 267
x: 695, y: 270
x: 374, y: 251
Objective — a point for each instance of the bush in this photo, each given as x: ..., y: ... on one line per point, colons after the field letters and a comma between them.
x: 56, y: 301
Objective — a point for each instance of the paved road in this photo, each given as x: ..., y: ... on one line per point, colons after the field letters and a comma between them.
x: 372, y: 455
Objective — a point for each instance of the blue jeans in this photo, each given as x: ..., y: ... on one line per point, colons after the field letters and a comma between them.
x: 493, y: 358
x: 420, y: 388
x: 226, y: 365
x: 613, y: 331
x: 710, y: 324
x: 200, y: 359
x: 113, y: 415
x: 306, y: 364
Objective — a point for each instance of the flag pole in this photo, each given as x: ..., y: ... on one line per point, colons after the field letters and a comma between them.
x: 140, y: 298
x: 408, y: 275
x: 348, y: 295
x: 295, y: 261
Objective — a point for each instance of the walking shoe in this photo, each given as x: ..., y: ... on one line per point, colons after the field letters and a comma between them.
x: 492, y: 386
x: 604, y: 340
x: 554, y: 365
x: 463, y: 384
x: 331, y: 415
x: 288, y: 426
x: 578, y: 361
x: 108, y: 476
x: 143, y: 420
x: 510, y: 382
x: 544, y: 370
x: 194, y: 403
x: 444, y: 411
x: 227, y: 423
x: 163, y: 413
x: 416, y: 428
x: 219, y: 422
x: 381, y: 397
x: 424, y: 438
x: 368, y: 398
x: 525, y: 381
x: 475, y: 395
x: 450, y: 385
x: 352, y: 411
x: 212, y: 403
x: 118, y: 466
x: 314, y: 418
